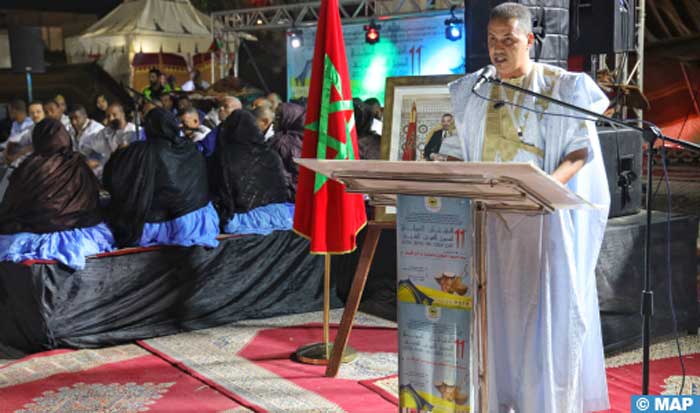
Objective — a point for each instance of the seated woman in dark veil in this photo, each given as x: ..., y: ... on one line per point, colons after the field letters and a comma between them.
x: 51, y: 207
x: 287, y: 140
x: 247, y: 180
x: 159, y: 189
x: 368, y: 141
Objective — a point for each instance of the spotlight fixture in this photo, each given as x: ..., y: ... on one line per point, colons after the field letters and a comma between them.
x: 372, y: 32
x: 296, y: 39
x: 453, y: 26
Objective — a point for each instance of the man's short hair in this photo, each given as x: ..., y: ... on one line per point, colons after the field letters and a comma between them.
x: 372, y: 101
x: 36, y: 102
x: 51, y: 102
x: 190, y: 111
x: 18, y: 105
x: 446, y: 115
x: 507, y: 11
x: 263, y: 112
x: 154, y: 70
x: 78, y: 108
x: 116, y: 105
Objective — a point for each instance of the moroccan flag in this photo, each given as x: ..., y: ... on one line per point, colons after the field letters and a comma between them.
x: 325, y: 213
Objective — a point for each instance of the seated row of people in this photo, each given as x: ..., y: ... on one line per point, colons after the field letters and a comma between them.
x: 163, y: 191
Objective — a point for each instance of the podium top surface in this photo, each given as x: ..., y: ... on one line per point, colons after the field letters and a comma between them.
x: 503, y: 186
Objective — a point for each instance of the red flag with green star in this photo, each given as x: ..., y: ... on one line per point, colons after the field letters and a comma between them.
x: 325, y: 213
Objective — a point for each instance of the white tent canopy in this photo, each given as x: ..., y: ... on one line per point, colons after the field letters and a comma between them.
x: 148, y: 26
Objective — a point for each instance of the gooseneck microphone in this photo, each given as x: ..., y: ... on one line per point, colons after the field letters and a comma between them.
x: 487, y: 75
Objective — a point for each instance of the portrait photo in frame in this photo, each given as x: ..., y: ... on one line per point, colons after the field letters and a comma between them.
x: 414, y: 107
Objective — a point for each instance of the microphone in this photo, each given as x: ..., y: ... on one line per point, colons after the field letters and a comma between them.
x: 499, y: 104
x: 487, y: 75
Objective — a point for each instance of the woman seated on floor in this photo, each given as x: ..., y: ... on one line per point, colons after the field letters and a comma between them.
x: 247, y: 180
x: 159, y: 189
x: 51, y: 208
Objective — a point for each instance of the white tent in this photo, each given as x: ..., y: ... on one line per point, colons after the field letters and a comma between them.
x: 141, y: 26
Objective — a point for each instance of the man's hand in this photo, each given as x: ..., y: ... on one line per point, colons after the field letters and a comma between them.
x: 571, y: 164
x: 93, y: 164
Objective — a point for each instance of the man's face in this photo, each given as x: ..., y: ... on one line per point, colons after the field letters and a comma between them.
x: 263, y: 123
x: 183, y: 104
x: 115, y: 117
x: 77, y: 120
x: 508, y: 47
x: 53, y: 111
x: 61, y: 104
x: 190, y: 121
x: 167, y: 101
x: 259, y: 102
x: 17, y: 115
x: 36, y: 112
x: 162, y: 80
x: 376, y: 111
x: 446, y: 122
x: 153, y: 78
x: 225, y: 110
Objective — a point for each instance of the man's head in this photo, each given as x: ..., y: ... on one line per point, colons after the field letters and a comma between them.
x: 78, y: 117
x: 195, y: 76
x: 446, y: 121
x: 167, y: 100
x: 261, y: 101
x: 153, y: 75
x: 61, y: 103
x: 115, y: 116
x: 190, y: 121
x: 102, y: 103
x: 36, y: 112
x: 275, y: 100
x: 509, y: 39
x: 229, y: 104
x: 376, y: 107
x: 263, y: 117
x: 18, y: 110
x: 53, y: 110
x: 184, y: 104
x: 162, y: 79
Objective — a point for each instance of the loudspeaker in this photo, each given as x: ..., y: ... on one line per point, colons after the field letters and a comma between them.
x: 550, y: 24
x: 619, y: 277
x: 26, y: 49
x: 602, y: 26
x: 622, y: 156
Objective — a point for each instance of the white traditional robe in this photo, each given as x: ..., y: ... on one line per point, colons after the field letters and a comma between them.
x: 545, y: 347
x: 101, y: 145
x: 90, y: 128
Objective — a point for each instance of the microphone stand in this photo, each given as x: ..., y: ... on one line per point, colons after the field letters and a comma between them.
x: 137, y: 113
x: 650, y: 134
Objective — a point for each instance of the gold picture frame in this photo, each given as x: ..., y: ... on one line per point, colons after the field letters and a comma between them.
x: 430, y: 96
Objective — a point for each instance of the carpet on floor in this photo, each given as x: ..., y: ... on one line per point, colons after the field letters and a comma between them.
x: 122, y: 379
x: 252, y: 363
x: 624, y: 373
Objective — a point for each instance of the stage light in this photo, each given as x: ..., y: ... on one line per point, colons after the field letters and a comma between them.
x: 372, y: 32
x: 453, y: 26
x: 296, y: 39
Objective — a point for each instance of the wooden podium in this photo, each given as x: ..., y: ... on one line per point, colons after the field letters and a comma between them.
x: 500, y: 187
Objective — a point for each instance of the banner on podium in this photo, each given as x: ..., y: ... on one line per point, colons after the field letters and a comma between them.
x: 434, y: 303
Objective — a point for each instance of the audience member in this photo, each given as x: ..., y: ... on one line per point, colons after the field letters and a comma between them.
x: 51, y: 207
x: 159, y: 189
x: 155, y: 87
x: 261, y: 102
x: 375, y: 107
x: 275, y: 100
x: 99, y: 147
x: 168, y: 103
x: 287, y: 140
x: 184, y: 103
x: 82, y: 126
x: 263, y: 118
x: 229, y: 104
x: 63, y: 107
x: 195, y: 83
x: 191, y: 127
x: 245, y: 172
x: 20, y: 121
x: 100, y: 113
x: 21, y: 144
x: 368, y: 141
x: 53, y: 189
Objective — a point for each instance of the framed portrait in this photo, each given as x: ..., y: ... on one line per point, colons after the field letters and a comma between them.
x: 415, y: 113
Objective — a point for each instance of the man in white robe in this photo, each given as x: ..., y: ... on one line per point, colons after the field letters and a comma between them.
x: 82, y: 126
x: 98, y: 148
x: 545, y: 350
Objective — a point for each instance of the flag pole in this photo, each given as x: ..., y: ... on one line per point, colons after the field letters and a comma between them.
x: 327, y: 305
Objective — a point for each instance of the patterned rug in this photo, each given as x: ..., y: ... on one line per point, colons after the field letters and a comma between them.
x: 122, y: 379
x: 251, y: 362
x: 624, y: 372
